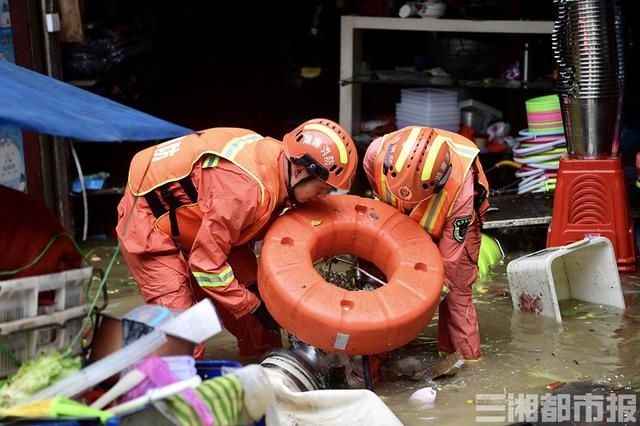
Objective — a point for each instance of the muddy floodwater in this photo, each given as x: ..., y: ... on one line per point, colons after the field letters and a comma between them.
x: 522, y: 353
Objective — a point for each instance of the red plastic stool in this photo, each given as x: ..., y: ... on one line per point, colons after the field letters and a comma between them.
x: 591, y: 199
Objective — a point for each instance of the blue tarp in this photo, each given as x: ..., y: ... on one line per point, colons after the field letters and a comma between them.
x: 35, y: 102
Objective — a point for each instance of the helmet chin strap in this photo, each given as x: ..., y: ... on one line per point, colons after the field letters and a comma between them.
x: 290, y: 193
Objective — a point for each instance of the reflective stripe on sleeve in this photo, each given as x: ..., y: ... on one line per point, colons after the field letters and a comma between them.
x: 219, y: 279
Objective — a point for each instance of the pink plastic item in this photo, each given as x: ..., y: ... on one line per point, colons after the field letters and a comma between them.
x: 544, y: 116
x: 159, y: 375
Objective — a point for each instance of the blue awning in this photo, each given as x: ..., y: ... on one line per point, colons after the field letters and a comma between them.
x: 35, y: 102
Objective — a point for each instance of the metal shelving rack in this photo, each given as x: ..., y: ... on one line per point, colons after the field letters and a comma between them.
x: 352, y: 28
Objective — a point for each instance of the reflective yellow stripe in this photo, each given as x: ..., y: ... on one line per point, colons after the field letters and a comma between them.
x: 384, y: 193
x: 436, y: 211
x: 211, y: 162
x: 425, y: 215
x: 464, y: 150
x: 334, y: 137
x: 383, y: 188
x: 431, y: 156
x: 428, y: 219
x: 220, y: 279
x: 234, y: 146
x: 407, y: 147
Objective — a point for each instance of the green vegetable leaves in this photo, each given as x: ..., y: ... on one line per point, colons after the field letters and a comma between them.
x: 37, y: 374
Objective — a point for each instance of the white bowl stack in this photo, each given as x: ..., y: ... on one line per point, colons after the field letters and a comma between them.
x: 428, y: 107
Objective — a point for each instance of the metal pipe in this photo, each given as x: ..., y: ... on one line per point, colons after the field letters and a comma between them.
x: 47, y: 5
x: 376, y: 279
x: 85, y: 203
x: 367, y: 372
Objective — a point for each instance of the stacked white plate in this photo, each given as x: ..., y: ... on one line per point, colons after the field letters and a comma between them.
x: 540, y: 158
x: 428, y: 107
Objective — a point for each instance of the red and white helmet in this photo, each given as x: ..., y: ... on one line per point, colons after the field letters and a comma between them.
x: 416, y: 163
x: 325, y: 149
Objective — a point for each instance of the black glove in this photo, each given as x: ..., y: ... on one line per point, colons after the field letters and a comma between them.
x: 265, y: 318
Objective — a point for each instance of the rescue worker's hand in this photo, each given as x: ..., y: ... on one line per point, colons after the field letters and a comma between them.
x: 265, y: 318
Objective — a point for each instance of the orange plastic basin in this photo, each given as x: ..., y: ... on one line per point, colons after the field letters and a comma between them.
x: 338, y: 320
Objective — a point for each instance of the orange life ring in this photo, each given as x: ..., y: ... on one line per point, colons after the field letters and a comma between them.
x: 338, y: 320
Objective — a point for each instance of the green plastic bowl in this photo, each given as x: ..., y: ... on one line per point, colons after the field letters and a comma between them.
x: 543, y: 103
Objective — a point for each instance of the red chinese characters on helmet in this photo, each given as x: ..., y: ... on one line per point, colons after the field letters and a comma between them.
x: 325, y: 149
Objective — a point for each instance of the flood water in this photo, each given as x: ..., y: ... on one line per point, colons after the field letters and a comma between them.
x: 522, y: 353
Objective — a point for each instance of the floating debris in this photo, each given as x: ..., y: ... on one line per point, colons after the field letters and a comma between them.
x: 528, y: 303
x: 551, y: 377
x: 358, y: 275
x: 555, y: 385
x: 480, y: 289
x: 424, y: 397
x: 447, y: 367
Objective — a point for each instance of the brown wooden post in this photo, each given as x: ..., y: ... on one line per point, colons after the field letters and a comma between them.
x: 70, y: 21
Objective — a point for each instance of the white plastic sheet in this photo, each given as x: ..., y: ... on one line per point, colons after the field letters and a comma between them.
x: 326, y: 407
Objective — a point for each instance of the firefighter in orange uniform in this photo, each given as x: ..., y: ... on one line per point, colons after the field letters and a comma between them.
x: 194, y: 205
x: 435, y: 177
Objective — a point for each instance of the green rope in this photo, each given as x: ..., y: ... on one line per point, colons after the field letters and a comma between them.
x: 3, y: 351
x: 44, y: 251
x: 38, y: 258
x: 105, y: 276
x: 84, y: 257
x: 97, y: 296
x: 102, y: 281
x: 9, y: 356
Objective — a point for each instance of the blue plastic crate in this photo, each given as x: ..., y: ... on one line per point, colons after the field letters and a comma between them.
x: 211, y: 368
x: 92, y: 182
x: 57, y: 422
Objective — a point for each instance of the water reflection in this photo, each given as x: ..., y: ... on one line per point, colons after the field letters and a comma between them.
x: 521, y: 352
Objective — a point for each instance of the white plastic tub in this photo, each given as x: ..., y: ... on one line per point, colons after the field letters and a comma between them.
x: 585, y: 270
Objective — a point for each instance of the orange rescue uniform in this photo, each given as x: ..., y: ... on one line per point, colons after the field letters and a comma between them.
x: 224, y: 184
x: 453, y: 222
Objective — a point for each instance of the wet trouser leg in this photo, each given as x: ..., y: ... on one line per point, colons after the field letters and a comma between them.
x: 458, y: 322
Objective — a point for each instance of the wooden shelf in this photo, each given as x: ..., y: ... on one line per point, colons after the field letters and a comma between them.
x: 446, y: 25
x: 352, y: 28
x: 488, y: 83
x: 510, y: 211
x: 106, y: 191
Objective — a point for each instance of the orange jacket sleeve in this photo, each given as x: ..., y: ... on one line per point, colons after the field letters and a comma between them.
x: 229, y: 200
x: 459, y: 270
